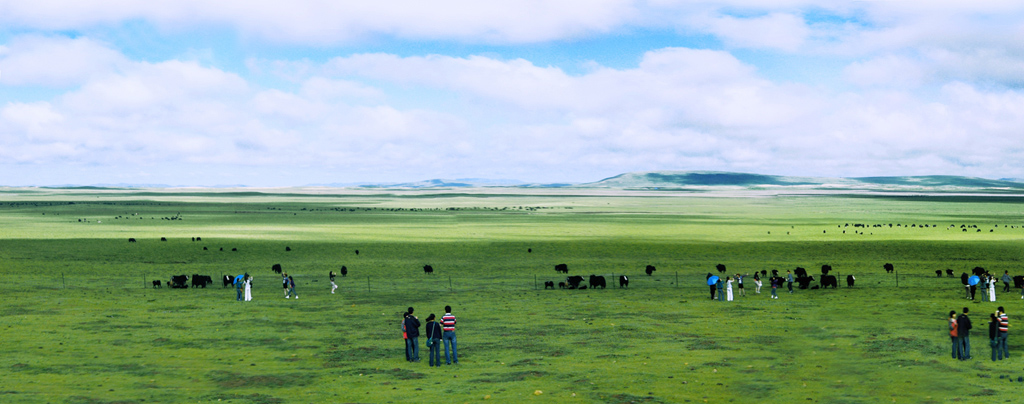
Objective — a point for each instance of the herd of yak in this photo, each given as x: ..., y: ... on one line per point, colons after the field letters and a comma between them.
x: 802, y: 279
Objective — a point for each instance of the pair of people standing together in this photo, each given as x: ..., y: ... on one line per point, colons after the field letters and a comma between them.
x: 960, y: 334
x: 436, y: 334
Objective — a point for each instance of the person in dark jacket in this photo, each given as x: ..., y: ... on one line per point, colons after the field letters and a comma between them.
x: 412, y: 334
x: 993, y: 334
x: 963, y: 326
x: 433, y: 333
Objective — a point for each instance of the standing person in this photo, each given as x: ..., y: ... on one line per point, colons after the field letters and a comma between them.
x: 739, y: 282
x: 757, y: 284
x: 1004, y: 332
x: 333, y: 285
x: 1007, y: 280
x: 992, y: 288
x: 993, y: 334
x: 405, y: 336
x: 974, y: 289
x: 963, y: 327
x: 284, y: 283
x: 720, y: 285
x: 239, y: 294
x: 967, y: 287
x: 412, y: 335
x: 291, y: 288
x: 712, y: 287
x: 985, y: 279
x: 728, y: 289
x: 448, y: 328
x: 248, y: 288
x: 775, y: 286
x: 789, y: 281
x: 433, y: 341
x: 953, y: 334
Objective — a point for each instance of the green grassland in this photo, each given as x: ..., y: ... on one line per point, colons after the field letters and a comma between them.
x: 81, y: 324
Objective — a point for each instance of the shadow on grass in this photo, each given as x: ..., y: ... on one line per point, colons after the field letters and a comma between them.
x: 508, y: 377
x: 236, y: 380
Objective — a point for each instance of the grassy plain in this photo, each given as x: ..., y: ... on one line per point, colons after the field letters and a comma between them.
x: 81, y: 324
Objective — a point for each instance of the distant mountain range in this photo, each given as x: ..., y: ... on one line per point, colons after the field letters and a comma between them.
x: 704, y: 179
x: 684, y: 180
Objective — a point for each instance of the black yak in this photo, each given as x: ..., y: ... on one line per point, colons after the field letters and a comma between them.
x: 849, y: 280
x: 574, y: 281
x: 596, y: 281
x: 427, y: 269
x: 344, y: 271
x: 888, y: 267
x: 131, y: 240
x: 825, y: 269
x: 276, y: 268
x: 829, y: 280
x: 562, y: 268
x: 720, y: 268
x: 650, y: 269
x: 156, y: 284
x: 623, y: 281
x: 549, y: 285
x: 800, y: 272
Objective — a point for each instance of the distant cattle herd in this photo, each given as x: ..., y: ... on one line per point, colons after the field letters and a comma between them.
x: 802, y: 279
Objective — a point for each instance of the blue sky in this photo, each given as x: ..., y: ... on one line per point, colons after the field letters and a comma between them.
x: 318, y: 92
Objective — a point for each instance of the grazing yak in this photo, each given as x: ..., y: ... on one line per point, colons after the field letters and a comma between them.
x: 204, y: 248
x: 200, y: 281
x: 234, y: 249
x: 562, y: 268
x: 623, y: 281
x: 650, y: 270
x: 529, y: 250
x: 179, y: 281
x: 276, y: 268
x: 978, y: 271
x: 1018, y: 281
x: 596, y: 281
x: 800, y: 272
x: 775, y: 273
x: 199, y: 239
x: 764, y: 273
x: 163, y: 238
x: 549, y: 285
x: 888, y: 268
x: 131, y: 240
x: 156, y: 284
x: 344, y: 271
x: 227, y: 280
x: 286, y: 248
x: 427, y: 269
x: 562, y: 285
x: 804, y: 282
x: 850, y: 280
x: 825, y: 269
x: 949, y: 273
x: 829, y: 280
x: 720, y: 268
x: 574, y: 281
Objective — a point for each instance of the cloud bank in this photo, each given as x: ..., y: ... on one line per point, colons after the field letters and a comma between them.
x: 898, y: 89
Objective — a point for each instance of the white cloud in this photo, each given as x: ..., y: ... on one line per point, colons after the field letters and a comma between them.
x: 781, y: 31
x: 56, y: 61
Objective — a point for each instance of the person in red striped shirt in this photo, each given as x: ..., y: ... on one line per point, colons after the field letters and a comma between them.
x: 1004, y: 331
x: 448, y: 326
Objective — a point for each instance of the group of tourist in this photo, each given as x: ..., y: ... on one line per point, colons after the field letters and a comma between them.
x: 960, y: 334
x: 243, y: 287
x: 988, y: 284
x: 722, y: 289
x: 436, y: 333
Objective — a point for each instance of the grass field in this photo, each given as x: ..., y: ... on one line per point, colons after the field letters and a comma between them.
x: 81, y: 324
